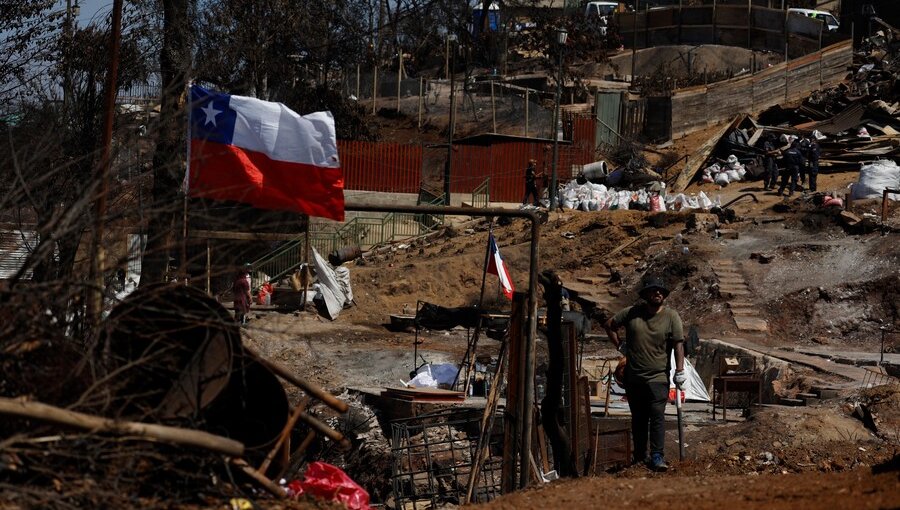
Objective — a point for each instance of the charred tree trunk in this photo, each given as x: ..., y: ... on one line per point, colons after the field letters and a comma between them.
x: 551, y: 414
x: 168, y: 159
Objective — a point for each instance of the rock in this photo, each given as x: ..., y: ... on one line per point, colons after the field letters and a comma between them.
x: 733, y: 441
x: 727, y: 233
x: 703, y: 222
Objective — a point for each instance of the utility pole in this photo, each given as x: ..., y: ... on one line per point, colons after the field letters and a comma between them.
x: 72, y: 12
x: 95, y: 304
x: 561, y: 36
x: 451, y: 45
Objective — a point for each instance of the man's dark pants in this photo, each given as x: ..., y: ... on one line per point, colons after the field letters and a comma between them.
x: 531, y: 190
x: 770, y: 178
x: 791, y: 172
x: 647, y: 402
x: 813, y: 173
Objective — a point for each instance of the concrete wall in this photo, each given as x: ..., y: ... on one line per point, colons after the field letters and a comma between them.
x: 705, y: 105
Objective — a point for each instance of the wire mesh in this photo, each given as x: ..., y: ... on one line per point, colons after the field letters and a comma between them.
x: 433, y: 459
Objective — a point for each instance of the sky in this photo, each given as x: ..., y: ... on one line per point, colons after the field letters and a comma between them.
x: 91, y: 9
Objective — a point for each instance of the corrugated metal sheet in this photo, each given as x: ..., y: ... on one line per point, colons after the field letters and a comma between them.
x: 15, y: 247
x: 397, y: 168
x: 381, y: 166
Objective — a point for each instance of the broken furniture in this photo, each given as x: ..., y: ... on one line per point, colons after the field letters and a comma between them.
x: 737, y: 374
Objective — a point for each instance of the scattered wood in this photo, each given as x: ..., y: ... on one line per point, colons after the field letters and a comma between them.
x: 699, y: 157
x: 145, y: 431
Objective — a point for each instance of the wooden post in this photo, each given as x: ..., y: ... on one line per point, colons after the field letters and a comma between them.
x: 494, y: 106
x: 714, y: 23
x: 374, y: 86
x: 305, y: 273
x: 421, y: 99
x: 208, y: 268
x: 821, y: 78
x: 526, y: 112
x: 749, y: 19
x: 399, y: 77
x: 512, y: 422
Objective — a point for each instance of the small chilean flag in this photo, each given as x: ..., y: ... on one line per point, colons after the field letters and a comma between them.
x: 497, y: 267
x: 263, y: 154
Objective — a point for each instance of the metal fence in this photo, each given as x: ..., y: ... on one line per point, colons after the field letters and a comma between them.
x: 433, y: 459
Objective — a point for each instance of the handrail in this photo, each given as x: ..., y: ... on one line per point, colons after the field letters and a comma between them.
x: 482, y: 190
x: 365, y: 231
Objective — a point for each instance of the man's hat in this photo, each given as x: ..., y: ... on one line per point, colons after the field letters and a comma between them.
x: 653, y: 282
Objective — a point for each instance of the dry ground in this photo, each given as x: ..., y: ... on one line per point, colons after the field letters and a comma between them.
x: 824, y: 287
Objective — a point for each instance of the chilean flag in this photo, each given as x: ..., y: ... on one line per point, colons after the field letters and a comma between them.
x: 263, y: 154
x: 497, y: 267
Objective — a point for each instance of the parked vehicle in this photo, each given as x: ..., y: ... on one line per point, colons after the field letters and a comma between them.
x: 602, y: 11
x: 831, y: 23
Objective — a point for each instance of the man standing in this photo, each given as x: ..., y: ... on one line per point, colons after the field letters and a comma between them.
x: 530, y: 184
x: 652, y: 331
x: 770, y: 177
x: 241, y: 292
x: 793, y: 160
x: 813, y: 151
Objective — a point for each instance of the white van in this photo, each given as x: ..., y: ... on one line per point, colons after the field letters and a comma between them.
x: 601, y: 10
x: 831, y: 23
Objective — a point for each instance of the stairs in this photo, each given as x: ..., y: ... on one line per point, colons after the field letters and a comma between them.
x: 592, y: 291
x: 734, y: 289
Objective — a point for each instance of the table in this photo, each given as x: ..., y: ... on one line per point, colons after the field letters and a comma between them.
x: 722, y: 384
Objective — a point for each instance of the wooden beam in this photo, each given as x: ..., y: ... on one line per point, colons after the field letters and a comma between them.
x: 146, y: 431
x: 695, y: 162
x: 243, y: 236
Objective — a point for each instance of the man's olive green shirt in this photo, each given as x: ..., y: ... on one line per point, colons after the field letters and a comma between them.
x: 649, y: 340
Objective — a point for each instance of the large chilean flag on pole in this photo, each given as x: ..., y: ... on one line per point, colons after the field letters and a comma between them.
x: 263, y: 154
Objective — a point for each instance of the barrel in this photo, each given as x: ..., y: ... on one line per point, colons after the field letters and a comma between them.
x: 174, y: 354
x: 345, y: 254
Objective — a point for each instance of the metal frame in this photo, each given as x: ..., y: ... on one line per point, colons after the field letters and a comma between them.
x: 433, y: 458
x: 523, y: 425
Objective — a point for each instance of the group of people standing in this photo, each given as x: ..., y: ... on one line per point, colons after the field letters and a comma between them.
x: 799, y: 162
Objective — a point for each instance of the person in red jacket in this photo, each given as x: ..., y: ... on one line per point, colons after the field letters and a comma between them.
x: 241, y: 291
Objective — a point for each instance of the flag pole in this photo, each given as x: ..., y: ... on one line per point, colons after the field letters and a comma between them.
x: 487, y: 254
x: 187, y: 174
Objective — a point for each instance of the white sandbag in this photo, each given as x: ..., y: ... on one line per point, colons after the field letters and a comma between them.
x: 567, y: 204
x: 874, y: 178
x: 703, y: 201
x: 733, y: 175
x: 722, y: 179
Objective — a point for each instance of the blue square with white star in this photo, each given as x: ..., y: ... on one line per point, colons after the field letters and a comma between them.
x: 211, y: 117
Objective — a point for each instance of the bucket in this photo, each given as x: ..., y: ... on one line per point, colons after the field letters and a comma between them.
x: 595, y: 171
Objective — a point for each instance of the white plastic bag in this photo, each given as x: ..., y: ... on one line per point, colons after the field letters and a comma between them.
x: 703, y: 201
x: 875, y: 177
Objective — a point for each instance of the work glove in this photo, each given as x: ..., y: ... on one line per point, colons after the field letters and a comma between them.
x: 680, y: 378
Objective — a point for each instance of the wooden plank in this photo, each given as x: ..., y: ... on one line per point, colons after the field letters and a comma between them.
x: 242, y: 236
x: 696, y: 161
x: 511, y: 432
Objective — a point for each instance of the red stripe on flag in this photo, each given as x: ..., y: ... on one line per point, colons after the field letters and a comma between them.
x: 226, y: 172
